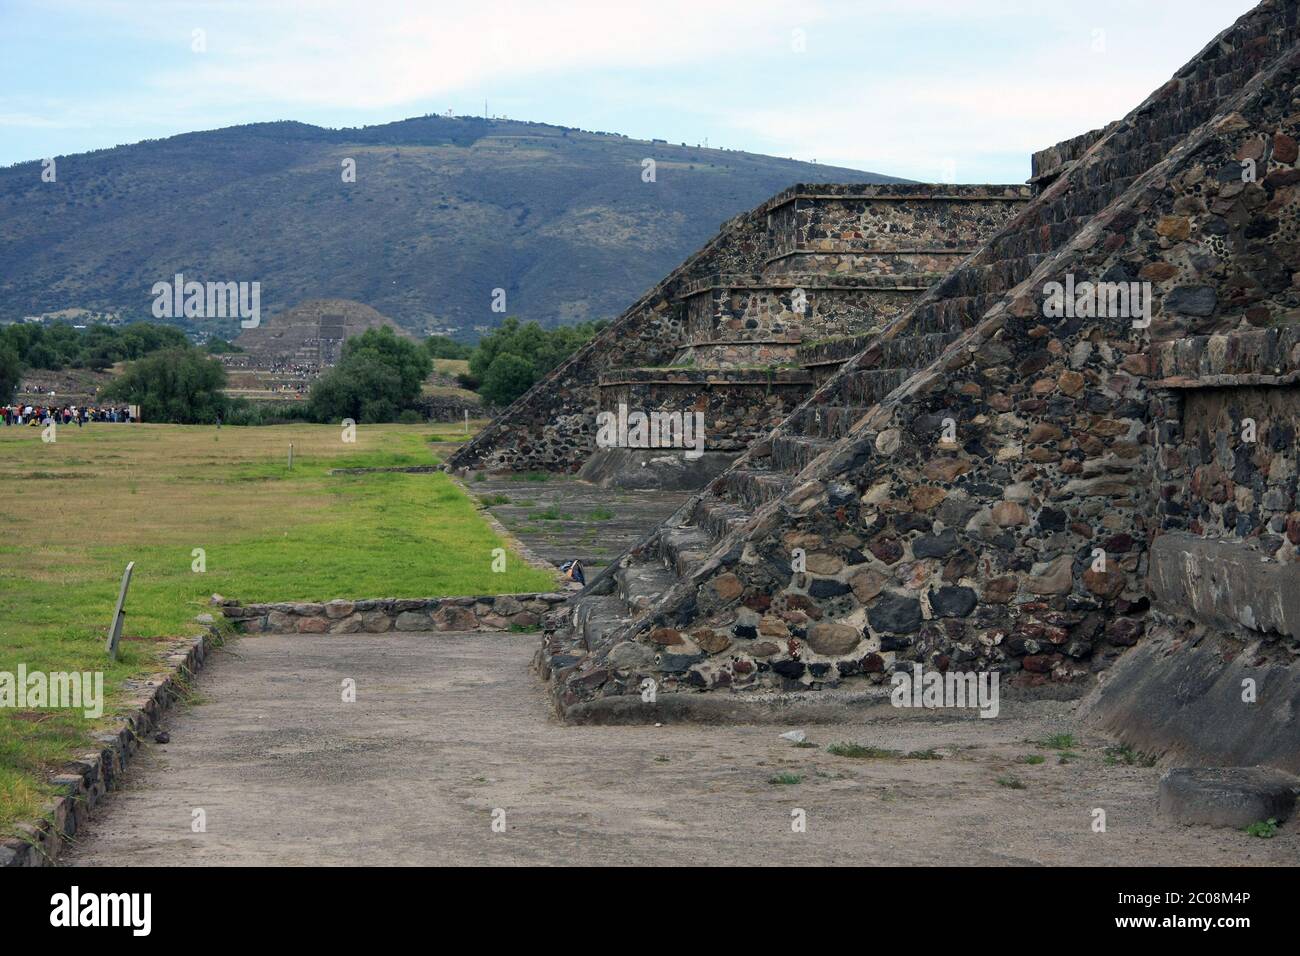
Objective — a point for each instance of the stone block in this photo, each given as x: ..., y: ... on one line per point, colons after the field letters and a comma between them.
x: 1227, y: 796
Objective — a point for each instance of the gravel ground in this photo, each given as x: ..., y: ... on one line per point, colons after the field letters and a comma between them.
x: 448, y: 729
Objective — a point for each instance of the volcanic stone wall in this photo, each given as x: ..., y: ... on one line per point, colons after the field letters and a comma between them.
x: 729, y: 316
x: 897, y: 238
x: 737, y: 409
x: 996, y: 510
x: 884, y: 230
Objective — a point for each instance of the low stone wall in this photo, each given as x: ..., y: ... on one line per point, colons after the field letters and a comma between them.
x: 499, y: 612
x: 739, y: 405
x: 893, y: 228
x: 732, y: 312
x: 85, y: 781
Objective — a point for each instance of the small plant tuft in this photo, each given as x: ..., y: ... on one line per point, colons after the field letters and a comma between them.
x: 1264, y: 829
x: 860, y: 752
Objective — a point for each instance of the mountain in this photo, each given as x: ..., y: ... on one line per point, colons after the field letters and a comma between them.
x: 443, y: 211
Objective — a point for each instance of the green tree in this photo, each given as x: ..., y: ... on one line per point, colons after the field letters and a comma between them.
x: 526, y: 344
x: 179, y: 385
x: 378, y: 376
x: 508, y: 377
x: 441, y: 347
x: 59, y: 345
x: 11, y: 370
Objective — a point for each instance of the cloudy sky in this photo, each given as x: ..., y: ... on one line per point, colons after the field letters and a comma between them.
x: 924, y: 89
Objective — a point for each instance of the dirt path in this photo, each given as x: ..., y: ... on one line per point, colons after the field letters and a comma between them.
x: 447, y: 728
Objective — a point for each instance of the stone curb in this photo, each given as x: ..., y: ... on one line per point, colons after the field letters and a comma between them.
x: 499, y: 612
x: 804, y: 707
x: 85, y: 781
x: 389, y: 470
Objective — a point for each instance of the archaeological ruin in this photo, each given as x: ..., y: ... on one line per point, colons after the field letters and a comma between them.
x: 919, y: 453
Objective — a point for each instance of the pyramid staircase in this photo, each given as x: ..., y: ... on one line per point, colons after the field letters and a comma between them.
x: 836, y: 262
x: 911, y: 543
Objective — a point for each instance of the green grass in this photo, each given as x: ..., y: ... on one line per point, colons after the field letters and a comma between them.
x: 154, y: 493
x: 859, y: 752
x: 1033, y: 759
x: 1058, y: 742
x: 601, y: 514
x: 1127, y: 756
x: 785, y: 779
x: 1011, y: 783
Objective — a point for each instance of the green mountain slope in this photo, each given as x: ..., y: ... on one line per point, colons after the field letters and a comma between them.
x: 442, y: 212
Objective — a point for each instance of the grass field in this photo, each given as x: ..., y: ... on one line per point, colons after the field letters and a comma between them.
x: 73, y: 513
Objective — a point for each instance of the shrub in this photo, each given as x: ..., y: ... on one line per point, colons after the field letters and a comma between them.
x: 177, y: 385
x: 377, y: 378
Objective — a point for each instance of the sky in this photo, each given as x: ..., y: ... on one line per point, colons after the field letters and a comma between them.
x: 938, y: 90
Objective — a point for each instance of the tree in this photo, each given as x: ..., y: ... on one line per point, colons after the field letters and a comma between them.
x: 11, y: 370
x: 441, y: 347
x: 59, y: 345
x: 179, y: 385
x: 508, y: 377
x: 532, y: 351
x: 378, y: 376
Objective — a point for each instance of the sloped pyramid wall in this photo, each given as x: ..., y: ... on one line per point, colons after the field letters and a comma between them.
x: 723, y: 334
x: 959, y: 521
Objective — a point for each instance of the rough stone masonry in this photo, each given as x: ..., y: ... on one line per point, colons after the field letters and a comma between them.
x: 977, y: 478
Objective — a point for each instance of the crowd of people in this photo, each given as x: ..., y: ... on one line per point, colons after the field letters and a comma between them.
x: 61, y: 415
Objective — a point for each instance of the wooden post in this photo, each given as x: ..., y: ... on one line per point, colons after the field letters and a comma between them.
x: 291, y: 456
x: 467, y: 421
x: 115, y: 629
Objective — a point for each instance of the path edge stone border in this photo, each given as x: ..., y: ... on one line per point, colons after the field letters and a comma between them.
x: 86, y: 780
x: 493, y: 612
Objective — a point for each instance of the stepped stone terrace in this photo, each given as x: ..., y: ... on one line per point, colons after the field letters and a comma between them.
x: 1083, y: 504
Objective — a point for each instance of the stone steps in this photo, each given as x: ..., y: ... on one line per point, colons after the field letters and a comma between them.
x: 719, y: 517
x: 902, y: 351
x: 831, y: 421
x: 752, y: 487
x: 1084, y: 185
x: 639, y: 584
x: 683, y: 548
x: 596, y: 615
x: 866, y: 387
x: 793, y: 453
